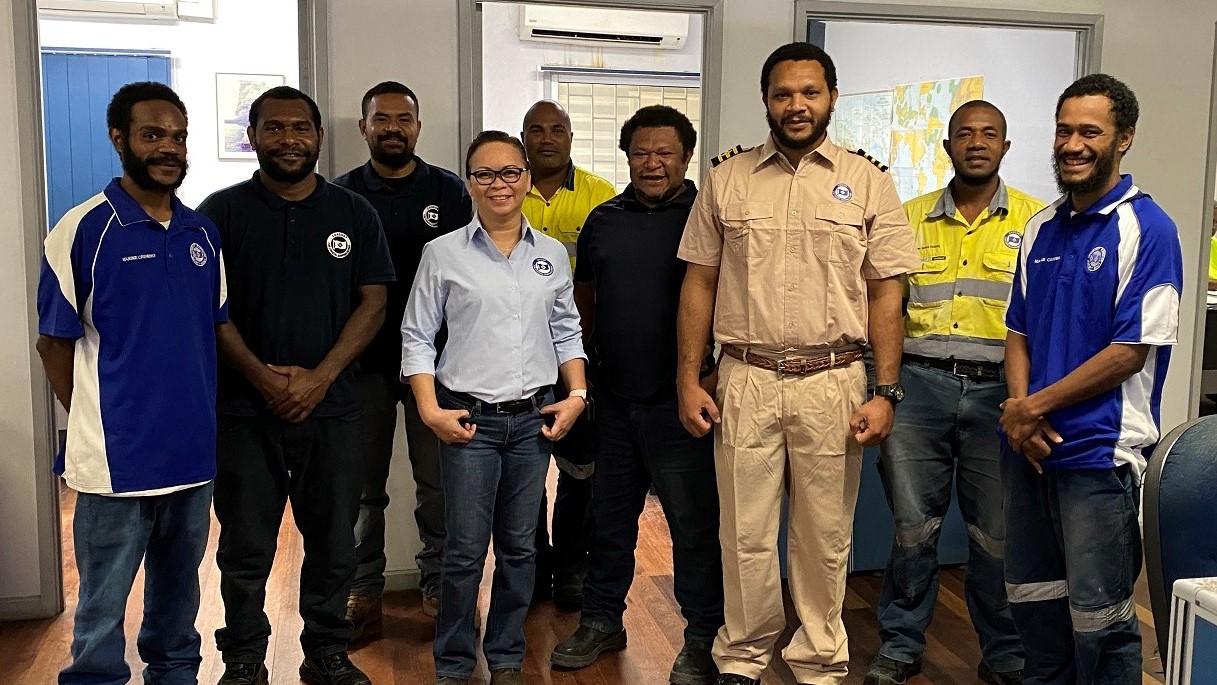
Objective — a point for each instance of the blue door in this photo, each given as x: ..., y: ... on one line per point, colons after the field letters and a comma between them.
x: 76, y: 88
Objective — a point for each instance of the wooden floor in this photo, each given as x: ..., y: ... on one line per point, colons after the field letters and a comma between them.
x: 32, y: 652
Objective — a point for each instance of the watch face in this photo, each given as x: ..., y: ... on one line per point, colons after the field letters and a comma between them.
x: 898, y: 393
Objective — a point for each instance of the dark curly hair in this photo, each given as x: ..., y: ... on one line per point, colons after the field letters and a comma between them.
x: 118, y: 112
x: 799, y: 52
x: 1123, y: 102
x: 387, y: 88
x: 659, y: 115
x: 283, y: 93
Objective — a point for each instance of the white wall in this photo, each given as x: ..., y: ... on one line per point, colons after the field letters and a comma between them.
x: 1024, y: 71
x: 511, y: 76
x: 246, y: 38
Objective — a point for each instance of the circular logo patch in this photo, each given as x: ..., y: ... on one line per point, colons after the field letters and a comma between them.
x: 1094, y: 260
x: 543, y: 266
x: 197, y: 255
x: 431, y: 216
x: 842, y: 192
x: 1013, y: 239
x: 339, y: 244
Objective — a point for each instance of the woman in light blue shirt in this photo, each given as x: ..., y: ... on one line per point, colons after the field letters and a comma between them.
x: 505, y: 292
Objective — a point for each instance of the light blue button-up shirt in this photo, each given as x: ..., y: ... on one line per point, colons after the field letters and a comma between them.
x: 511, y: 320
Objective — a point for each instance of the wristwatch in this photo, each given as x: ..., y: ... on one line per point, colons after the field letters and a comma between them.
x: 894, y: 392
x: 581, y: 393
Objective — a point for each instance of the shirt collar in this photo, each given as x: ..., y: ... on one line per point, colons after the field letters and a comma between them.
x: 474, y: 229
x: 1124, y: 191
x: 945, y: 206
x: 827, y: 150
x: 376, y: 183
x: 276, y: 202
x: 128, y: 211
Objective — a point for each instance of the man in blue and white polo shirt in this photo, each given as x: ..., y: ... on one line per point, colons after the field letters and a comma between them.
x: 131, y: 291
x: 1092, y: 317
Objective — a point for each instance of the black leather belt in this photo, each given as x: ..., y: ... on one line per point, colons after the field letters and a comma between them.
x: 964, y: 368
x: 510, y: 407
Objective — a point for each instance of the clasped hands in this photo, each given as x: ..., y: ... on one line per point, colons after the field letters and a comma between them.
x: 293, y: 392
x: 1027, y: 431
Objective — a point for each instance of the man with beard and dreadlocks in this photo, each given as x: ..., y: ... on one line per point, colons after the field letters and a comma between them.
x: 968, y: 235
x: 131, y: 292
x: 416, y: 203
x: 307, y: 268
x: 1093, y: 315
x: 795, y: 251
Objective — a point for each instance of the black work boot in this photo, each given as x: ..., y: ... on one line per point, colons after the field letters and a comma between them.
x: 694, y: 665
x: 584, y: 646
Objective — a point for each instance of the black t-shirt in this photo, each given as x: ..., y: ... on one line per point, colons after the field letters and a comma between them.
x: 294, y: 271
x: 629, y: 250
x: 413, y: 211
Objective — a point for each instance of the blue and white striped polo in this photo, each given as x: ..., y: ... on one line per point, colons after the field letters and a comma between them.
x: 142, y: 302
x: 1085, y: 280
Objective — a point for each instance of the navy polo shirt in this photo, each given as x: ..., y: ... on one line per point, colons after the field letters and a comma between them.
x: 413, y: 211
x: 142, y: 302
x: 629, y: 251
x: 1109, y: 274
x: 294, y: 272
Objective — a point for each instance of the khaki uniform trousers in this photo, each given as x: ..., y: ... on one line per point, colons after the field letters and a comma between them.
x: 786, y: 435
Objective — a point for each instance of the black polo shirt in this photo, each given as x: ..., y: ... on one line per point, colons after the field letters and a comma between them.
x: 294, y: 271
x: 413, y: 211
x: 629, y: 250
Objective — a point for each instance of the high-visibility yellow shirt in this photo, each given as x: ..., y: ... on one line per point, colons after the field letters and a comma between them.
x: 562, y: 215
x: 957, y: 297
x: 1213, y: 259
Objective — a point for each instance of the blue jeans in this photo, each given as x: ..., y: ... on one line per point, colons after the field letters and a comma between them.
x: 1074, y: 554
x: 946, y: 429
x: 492, y: 489
x: 112, y: 535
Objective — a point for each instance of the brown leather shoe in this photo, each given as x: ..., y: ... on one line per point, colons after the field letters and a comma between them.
x: 431, y: 608
x: 507, y: 676
x: 364, y: 613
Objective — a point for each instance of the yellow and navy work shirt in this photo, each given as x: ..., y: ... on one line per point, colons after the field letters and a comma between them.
x: 957, y: 297
x: 563, y: 215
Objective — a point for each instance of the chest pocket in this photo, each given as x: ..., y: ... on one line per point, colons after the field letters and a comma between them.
x: 1000, y: 264
x: 848, y: 237
x: 748, y: 228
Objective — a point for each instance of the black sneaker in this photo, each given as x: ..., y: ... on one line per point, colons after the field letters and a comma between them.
x: 992, y: 677
x: 694, y: 665
x: 584, y: 646
x: 241, y: 673
x: 887, y: 671
x: 736, y: 679
x: 332, y: 669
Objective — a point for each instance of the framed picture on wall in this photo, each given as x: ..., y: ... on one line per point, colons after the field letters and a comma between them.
x: 234, y: 94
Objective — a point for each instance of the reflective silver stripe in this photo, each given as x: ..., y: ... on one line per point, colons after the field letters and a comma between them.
x: 995, y: 548
x: 934, y: 292
x: 1036, y: 592
x: 1090, y: 620
x: 957, y: 346
x: 979, y: 287
x: 571, y: 248
x: 915, y: 536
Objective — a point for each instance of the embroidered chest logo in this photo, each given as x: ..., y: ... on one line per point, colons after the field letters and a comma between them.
x: 1094, y: 260
x: 842, y: 192
x: 197, y: 254
x: 431, y: 216
x: 543, y: 266
x: 1013, y: 239
x: 339, y: 244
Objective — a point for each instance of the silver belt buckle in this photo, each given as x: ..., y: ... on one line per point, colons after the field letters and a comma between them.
x: 782, y: 367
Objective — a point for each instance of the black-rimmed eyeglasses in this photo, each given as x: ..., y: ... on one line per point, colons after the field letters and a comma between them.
x: 509, y: 174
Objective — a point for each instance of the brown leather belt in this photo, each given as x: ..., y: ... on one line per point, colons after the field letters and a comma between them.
x: 795, y: 366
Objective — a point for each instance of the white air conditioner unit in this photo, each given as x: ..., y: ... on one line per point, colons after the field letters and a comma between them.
x: 110, y: 9
x: 592, y: 25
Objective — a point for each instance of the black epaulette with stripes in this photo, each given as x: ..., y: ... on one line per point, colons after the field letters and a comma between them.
x: 862, y: 153
x: 728, y: 154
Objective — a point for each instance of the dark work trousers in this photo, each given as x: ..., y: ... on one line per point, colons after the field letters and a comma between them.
x: 380, y: 395
x: 262, y: 463
x: 639, y: 444
x: 573, y: 531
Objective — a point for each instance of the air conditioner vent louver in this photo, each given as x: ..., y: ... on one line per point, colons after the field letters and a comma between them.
x: 589, y: 35
x: 601, y: 26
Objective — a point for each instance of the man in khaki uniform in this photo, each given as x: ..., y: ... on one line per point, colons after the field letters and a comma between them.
x: 795, y: 248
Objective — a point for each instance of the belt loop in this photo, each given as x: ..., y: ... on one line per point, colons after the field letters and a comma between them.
x: 476, y: 409
x: 832, y: 359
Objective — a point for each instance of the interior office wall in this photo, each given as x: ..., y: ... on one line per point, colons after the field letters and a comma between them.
x: 246, y: 38
x: 511, y: 76
x: 1024, y: 71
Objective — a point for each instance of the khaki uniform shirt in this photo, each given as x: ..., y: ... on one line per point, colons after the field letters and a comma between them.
x: 795, y: 247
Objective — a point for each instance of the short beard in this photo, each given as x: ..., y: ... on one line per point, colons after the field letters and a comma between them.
x: 818, y: 129
x: 137, y: 170
x: 392, y: 160
x: 270, y: 166
x: 1103, y: 165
